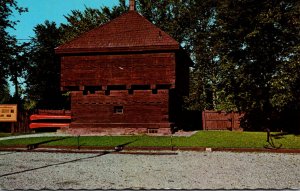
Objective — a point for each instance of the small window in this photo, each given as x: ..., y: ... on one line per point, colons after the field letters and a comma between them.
x: 118, y: 109
x: 152, y: 131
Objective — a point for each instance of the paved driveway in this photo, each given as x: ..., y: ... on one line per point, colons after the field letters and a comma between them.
x: 185, y: 170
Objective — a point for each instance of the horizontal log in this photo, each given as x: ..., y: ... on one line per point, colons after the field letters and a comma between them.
x: 48, y: 125
x: 48, y: 117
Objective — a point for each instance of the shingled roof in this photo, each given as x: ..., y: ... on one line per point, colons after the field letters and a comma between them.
x: 128, y: 32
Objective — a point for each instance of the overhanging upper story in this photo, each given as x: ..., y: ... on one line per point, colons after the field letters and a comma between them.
x: 128, y: 52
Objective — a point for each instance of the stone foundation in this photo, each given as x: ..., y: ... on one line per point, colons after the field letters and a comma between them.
x: 118, y: 129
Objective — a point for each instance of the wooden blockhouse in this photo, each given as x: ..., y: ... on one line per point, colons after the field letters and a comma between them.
x: 124, y: 77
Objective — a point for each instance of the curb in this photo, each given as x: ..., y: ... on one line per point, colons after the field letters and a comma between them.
x: 142, y: 150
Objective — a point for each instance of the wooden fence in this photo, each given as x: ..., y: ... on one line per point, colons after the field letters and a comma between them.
x: 221, y: 120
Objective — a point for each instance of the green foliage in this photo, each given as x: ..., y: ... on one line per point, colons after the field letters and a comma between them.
x: 17, y: 68
x: 258, y: 53
x: 43, y: 72
x: 246, y: 57
x: 4, y: 93
x: 205, y: 75
x: 29, y: 105
x: 7, y: 43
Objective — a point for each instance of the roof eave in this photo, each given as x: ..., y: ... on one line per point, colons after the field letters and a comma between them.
x: 116, y: 49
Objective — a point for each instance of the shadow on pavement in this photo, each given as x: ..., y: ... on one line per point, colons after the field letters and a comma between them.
x: 7, y: 153
x: 117, y: 149
x: 57, y: 164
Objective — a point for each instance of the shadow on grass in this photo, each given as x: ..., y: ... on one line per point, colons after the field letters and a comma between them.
x: 36, y: 145
x: 121, y: 147
x: 117, y: 149
x: 279, y: 135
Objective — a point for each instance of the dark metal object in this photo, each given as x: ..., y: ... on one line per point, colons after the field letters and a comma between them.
x: 268, y: 135
x: 78, y: 145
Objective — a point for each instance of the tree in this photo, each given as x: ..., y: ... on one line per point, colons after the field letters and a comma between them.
x: 7, y: 42
x: 205, y: 76
x: 259, y: 47
x: 244, y: 53
x: 43, y: 77
x: 17, y: 68
x: 4, y: 94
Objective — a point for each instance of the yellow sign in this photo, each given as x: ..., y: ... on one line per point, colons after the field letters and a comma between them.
x: 8, y: 113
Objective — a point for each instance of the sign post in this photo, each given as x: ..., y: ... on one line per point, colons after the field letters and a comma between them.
x: 9, y: 113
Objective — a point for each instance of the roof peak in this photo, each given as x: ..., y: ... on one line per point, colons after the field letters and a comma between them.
x: 128, y: 32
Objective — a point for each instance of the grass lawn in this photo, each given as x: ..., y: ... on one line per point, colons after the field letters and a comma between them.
x: 214, y: 139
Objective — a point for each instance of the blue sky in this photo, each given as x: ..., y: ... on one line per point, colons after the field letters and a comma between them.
x: 52, y: 10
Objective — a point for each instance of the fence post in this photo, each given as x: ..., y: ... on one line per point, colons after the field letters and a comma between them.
x: 12, y: 127
x: 232, y: 120
x: 203, y: 120
x: 268, y: 135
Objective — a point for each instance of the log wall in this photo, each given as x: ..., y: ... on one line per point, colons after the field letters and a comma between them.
x: 147, y: 85
x: 142, y: 110
x: 128, y: 69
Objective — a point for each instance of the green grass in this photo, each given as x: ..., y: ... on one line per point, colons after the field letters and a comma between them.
x: 227, y: 139
x: 214, y: 139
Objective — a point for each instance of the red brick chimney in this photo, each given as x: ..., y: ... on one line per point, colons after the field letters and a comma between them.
x: 131, y: 5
